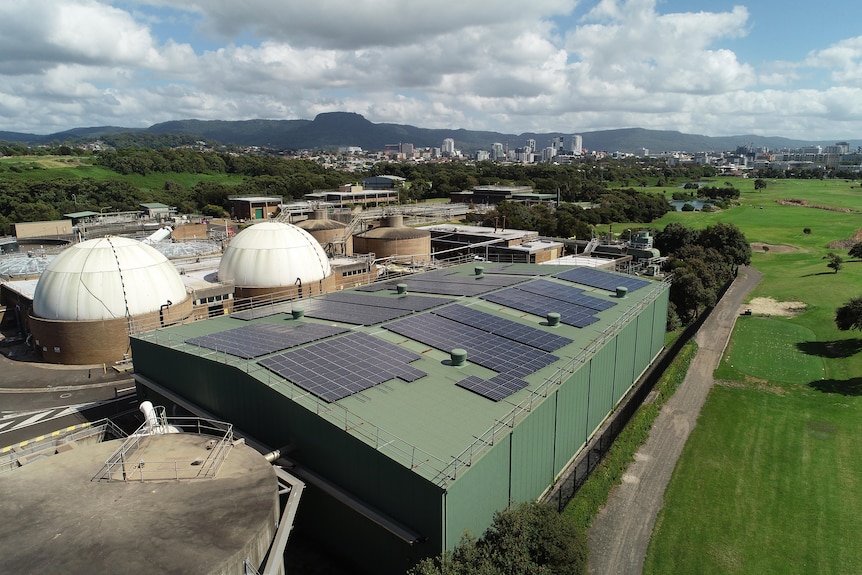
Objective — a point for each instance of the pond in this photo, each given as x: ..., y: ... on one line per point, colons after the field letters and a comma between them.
x: 698, y: 204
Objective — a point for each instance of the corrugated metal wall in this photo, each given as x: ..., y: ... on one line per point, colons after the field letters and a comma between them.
x: 533, y: 451
x: 470, y: 502
x: 572, y: 429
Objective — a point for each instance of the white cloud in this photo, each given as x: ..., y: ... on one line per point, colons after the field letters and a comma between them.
x: 514, y: 66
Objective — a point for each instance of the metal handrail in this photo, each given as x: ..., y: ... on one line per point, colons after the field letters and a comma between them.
x: 125, y: 465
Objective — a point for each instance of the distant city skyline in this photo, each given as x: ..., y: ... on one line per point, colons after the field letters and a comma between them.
x: 571, y: 66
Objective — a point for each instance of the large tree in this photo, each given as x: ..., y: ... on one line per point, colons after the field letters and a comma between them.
x: 729, y: 240
x: 530, y: 539
x: 849, y: 315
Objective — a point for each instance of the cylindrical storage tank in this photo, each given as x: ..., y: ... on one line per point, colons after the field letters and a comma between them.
x: 395, y: 239
x: 94, y: 293
x: 327, y: 231
x: 275, y: 257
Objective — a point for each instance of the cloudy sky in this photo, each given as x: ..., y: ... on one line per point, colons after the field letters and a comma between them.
x: 715, y: 68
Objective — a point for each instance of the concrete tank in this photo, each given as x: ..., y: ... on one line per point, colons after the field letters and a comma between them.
x: 66, y: 519
x: 328, y: 232
x: 393, y: 238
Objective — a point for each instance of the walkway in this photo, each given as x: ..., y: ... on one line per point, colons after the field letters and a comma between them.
x: 619, y: 536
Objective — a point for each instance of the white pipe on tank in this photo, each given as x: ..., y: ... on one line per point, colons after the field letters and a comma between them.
x: 150, y: 419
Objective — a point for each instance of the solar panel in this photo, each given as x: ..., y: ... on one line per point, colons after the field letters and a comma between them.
x: 488, y: 350
x: 448, y: 283
x: 497, y: 388
x: 263, y: 311
x: 570, y: 314
x: 507, y: 328
x: 516, y: 269
x: 262, y: 338
x: 349, y: 313
x: 601, y: 279
x: 566, y: 293
x: 337, y: 368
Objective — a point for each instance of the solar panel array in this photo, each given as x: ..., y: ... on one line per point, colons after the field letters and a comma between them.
x: 444, y: 282
x: 521, y: 269
x: 363, y: 309
x: 601, y: 279
x: 342, y: 366
x: 566, y: 293
x: 570, y: 314
x: 497, y: 388
x: 263, y: 311
x: 263, y: 338
x: 488, y: 350
x: 503, y: 327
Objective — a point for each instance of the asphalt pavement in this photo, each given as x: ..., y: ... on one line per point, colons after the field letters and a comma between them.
x: 620, y: 533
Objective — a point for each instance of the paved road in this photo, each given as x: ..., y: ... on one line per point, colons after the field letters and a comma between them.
x: 620, y: 534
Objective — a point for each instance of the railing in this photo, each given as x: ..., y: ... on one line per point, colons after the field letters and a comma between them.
x: 11, y: 456
x: 130, y: 461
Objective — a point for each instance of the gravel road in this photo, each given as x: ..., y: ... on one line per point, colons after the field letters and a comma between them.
x: 619, y: 536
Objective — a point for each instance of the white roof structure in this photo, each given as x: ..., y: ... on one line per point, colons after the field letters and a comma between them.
x: 106, y: 278
x: 273, y: 254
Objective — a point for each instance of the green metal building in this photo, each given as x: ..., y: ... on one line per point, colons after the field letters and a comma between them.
x: 402, y: 468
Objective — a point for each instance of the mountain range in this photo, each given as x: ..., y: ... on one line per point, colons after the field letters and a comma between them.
x: 334, y: 129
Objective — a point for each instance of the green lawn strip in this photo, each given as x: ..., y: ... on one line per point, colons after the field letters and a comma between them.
x: 769, y: 349
x: 768, y: 483
x: 594, y: 493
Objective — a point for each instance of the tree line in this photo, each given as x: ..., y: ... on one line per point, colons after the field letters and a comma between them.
x: 702, y: 262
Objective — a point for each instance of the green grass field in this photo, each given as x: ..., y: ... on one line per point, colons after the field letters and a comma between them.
x: 769, y: 479
x: 42, y: 168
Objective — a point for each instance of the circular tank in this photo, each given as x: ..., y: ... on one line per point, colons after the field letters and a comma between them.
x: 327, y: 231
x: 106, y: 278
x: 68, y: 520
x: 393, y: 238
x: 273, y: 255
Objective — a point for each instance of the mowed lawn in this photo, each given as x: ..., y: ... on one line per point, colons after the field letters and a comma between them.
x: 768, y: 483
x: 770, y: 480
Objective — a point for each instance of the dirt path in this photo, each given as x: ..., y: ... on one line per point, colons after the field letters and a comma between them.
x: 620, y: 534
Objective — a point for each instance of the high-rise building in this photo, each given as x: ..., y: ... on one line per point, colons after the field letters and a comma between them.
x: 497, y: 152
x: 577, y: 144
x: 448, y: 147
x: 531, y: 145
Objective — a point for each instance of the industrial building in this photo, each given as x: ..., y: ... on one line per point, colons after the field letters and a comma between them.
x: 493, y: 244
x: 414, y: 409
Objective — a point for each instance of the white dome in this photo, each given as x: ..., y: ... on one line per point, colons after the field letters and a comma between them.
x: 106, y: 278
x: 273, y: 254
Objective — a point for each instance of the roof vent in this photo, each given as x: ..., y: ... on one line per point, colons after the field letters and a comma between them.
x: 622, y: 291
x: 479, y: 271
x: 458, y: 357
x: 553, y: 318
x: 401, y: 288
x: 297, y: 313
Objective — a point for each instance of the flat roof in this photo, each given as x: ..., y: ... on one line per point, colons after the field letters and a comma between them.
x: 481, y: 231
x: 253, y: 199
x: 431, y: 416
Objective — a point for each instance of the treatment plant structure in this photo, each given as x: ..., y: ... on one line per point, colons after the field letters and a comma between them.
x: 414, y: 409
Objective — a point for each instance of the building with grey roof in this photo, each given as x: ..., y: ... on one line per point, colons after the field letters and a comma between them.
x: 414, y: 409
